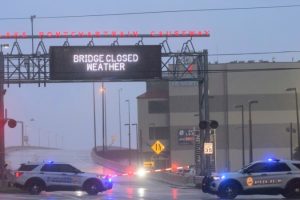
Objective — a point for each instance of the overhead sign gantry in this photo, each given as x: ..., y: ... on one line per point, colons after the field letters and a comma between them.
x: 92, y: 62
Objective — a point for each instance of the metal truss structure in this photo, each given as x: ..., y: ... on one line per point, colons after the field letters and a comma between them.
x: 187, y: 64
x: 34, y: 67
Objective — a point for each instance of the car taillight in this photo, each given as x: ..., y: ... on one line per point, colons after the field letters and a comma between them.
x: 18, y: 174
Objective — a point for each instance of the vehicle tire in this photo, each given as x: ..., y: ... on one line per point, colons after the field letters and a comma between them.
x: 292, y: 190
x: 228, y: 190
x: 92, y: 187
x: 35, y: 187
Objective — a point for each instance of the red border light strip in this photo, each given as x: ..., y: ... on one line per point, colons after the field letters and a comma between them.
x: 104, y: 34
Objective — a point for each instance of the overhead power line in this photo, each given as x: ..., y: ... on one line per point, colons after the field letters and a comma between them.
x: 154, y: 12
x: 245, y: 70
x: 254, y: 53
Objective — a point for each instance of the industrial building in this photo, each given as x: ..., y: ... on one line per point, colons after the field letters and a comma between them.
x: 168, y: 112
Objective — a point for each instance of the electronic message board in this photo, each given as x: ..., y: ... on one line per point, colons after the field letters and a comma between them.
x: 111, y: 63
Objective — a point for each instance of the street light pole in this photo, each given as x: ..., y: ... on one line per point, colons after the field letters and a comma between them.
x: 39, y: 137
x: 2, y: 139
x: 120, y: 122
x: 250, y: 131
x: 103, y: 120
x: 94, y: 115
x: 129, y: 131
x: 137, y: 142
x: 291, y: 130
x: 32, y: 17
x: 243, y: 133
x: 22, y: 129
x: 297, y: 112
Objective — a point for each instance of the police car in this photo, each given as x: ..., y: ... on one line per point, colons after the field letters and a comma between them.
x: 271, y: 177
x: 51, y: 176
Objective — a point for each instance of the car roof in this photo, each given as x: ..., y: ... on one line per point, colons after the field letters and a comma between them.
x: 277, y: 160
x: 41, y: 163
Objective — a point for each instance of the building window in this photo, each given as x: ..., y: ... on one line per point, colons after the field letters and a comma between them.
x: 158, y: 107
x: 159, y: 133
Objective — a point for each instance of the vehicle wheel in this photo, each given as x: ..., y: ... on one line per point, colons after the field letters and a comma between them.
x: 35, y: 187
x: 228, y: 190
x: 92, y: 188
x: 292, y: 190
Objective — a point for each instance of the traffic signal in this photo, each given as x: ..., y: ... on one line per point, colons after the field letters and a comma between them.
x: 214, y: 124
x: 203, y: 124
x: 11, y: 123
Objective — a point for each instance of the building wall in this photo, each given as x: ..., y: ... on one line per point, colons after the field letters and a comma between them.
x: 183, y: 108
x: 270, y: 117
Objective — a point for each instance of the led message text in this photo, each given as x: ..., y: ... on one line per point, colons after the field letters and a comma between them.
x: 105, y: 62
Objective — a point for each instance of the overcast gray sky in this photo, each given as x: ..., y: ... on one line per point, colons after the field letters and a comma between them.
x: 64, y: 112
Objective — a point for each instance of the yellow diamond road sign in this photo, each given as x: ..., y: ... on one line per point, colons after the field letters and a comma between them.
x: 157, y: 147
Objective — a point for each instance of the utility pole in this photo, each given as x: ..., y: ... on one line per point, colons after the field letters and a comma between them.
x: 250, y: 131
x: 22, y: 132
x: 120, y: 121
x: 297, y: 112
x: 2, y: 120
x: 243, y: 133
x: 129, y: 131
x: 94, y: 115
x: 32, y: 17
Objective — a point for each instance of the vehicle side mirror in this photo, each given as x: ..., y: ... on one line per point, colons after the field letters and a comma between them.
x: 77, y: 171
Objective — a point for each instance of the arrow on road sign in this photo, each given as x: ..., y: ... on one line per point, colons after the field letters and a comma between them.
x: 157, y: 147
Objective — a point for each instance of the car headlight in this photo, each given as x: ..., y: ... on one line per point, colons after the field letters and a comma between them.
x: 101, y: 176
x: 141, y: 172
x: 217, y: 178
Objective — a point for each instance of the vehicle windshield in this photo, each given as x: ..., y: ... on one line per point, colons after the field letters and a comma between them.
x: 245, y: 168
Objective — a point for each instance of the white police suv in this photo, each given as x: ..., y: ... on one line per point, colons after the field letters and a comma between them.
x: 51, y: 176
x: 271, y: 177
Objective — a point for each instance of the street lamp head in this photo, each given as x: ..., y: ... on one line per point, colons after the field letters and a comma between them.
x: 5, y: 46
x: 102, y: 89
x: 239, y: 106
x: 290, y: 89
x: 252, y: 101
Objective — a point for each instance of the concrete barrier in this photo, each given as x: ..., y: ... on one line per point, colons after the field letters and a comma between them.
x: 113, y: 165
x: 174, y: 179
x: 181, y: 180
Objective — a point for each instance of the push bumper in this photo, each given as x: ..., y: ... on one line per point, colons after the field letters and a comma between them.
x: 208, y: 185
x: 18, y: 185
